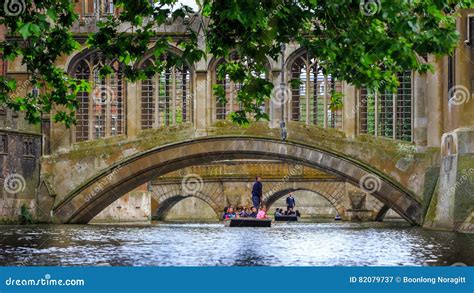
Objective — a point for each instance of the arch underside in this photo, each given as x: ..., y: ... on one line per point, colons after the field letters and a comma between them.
x: 269, y: 201
x: 166, y: 201
x: 82, y: 204
x: 165, y: 205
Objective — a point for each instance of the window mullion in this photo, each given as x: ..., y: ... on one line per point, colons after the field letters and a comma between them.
x: 325, y: 102
x: 308, y: 90
x: 376, y: 113
x: 155, y: 84
x: 394, y: 116
x: 173, y: 96
x: 90, y: 105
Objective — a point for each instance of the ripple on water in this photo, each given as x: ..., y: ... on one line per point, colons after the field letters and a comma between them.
x: 193, y: 244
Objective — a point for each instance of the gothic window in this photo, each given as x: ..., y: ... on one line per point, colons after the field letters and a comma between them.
x: 88, y: 7
x: 28, y: 147
x: 388, y: 114
x: 100, y: 113
x: 314, y: 99
x: 3, y: 144
x: 107, y: 7
x: 166, y: 98
x: 223, y: 110
x: 101, y: 7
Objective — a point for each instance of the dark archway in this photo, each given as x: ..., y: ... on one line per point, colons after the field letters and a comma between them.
x: 86, y: 201
x: 269, y: 201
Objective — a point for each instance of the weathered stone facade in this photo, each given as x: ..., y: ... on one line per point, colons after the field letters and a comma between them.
x: 412, y: 174
x: 20, y: 151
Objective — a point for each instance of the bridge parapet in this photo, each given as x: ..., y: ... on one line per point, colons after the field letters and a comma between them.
x: 249, y: 170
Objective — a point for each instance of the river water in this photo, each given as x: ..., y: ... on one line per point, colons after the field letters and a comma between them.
x: 285, y: 244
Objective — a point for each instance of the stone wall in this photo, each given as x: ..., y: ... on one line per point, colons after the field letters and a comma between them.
x: 192, y: 209
x: 452, y: 205
x: 19, y: 173
x: 134, y: 207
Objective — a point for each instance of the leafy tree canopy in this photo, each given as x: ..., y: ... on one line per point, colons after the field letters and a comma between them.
x: 363, y: 42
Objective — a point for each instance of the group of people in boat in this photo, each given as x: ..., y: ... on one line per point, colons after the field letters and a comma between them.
x: 259, y: 210
x: 280, y: 212
x: 245, y: 212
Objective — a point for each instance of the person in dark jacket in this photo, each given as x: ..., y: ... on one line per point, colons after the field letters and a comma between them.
x: 257, y: 192
x: 253, y: 214
x: 290, y: 202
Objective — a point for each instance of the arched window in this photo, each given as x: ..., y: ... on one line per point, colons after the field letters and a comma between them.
x: 388, y: 114
x: 314, y: 97
x: 231, y: 88
x: 166, y: 98
x: 100, y: 113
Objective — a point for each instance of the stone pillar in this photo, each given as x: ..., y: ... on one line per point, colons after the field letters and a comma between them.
x: 202, y: 101
x: 350, y: 110
x: 434, y: 103
x: 280, y: 93
x: 453, y: 202
x: 61, y: 137
x: 133, y: 109
x: 420, y: 118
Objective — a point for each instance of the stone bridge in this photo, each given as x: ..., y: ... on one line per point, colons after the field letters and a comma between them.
x: 229, y: 184
x: 117, y: 165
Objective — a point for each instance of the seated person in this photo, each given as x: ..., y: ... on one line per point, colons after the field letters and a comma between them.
x: 254, y: 213
x: 230, y: 214
x: 278, y: 213
x: 238, y: 210
x: 262, y: 213
x: 225, y: 212
x: 298, y: 213
x: 243, y: 212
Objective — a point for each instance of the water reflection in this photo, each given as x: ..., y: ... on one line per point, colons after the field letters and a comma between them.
x: 297, y: 244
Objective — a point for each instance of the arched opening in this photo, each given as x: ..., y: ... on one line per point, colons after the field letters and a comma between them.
x: 99, y: 191
x: 184, y: 208
x: 309, y: 203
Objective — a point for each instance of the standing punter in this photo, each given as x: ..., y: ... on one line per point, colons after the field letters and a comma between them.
x: 290, y: 202
x: 257, y: 192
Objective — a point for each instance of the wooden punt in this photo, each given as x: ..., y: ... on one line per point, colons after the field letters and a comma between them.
x: 286, y: 218
x: 248, y: 222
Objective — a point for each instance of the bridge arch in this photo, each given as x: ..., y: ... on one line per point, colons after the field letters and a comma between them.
x: 86, y: 201
x: 335, y: 201
x: 168, y: 200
